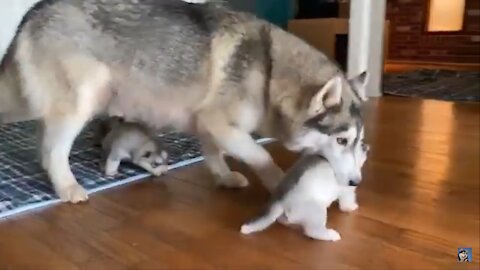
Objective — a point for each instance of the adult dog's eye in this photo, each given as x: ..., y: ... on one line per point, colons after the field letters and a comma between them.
x: 342, y: 141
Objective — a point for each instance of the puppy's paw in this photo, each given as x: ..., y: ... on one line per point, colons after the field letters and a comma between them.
x: 324, y: 234
x: 233, y: 180
x: 283, y: 220
x: 160, y: 170
x: 350, y: 207
x: 111, y: 172
x: 73, y: 193
x: 332, y: 235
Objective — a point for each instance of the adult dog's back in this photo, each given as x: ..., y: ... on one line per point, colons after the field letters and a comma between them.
x: 197, y: 67
x: 131, y: 46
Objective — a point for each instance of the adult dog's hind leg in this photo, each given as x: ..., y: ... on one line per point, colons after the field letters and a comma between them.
x: 65, y: 88
x: 59, y: 134
x: 82, y: 98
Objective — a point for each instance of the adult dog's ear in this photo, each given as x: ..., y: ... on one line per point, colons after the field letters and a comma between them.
x: 359, y: 84
x: 328, y: 96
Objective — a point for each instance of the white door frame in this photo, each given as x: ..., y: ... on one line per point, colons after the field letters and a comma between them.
x: 366, y: 41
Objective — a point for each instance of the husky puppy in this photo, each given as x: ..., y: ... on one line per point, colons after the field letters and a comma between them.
x: 311, y: 186
x: 200, y: 68
x: 133, y: 142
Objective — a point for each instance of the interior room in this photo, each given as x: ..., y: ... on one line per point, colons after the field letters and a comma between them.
x: 329, y: 134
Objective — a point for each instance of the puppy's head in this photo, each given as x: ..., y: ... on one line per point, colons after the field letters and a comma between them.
x: 347, y: 152
x: 154, y: 156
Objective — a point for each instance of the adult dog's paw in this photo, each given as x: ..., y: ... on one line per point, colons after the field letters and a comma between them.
x: 73, y: 193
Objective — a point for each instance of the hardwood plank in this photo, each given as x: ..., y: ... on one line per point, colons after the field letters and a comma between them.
x: 419, y: 202
x: 19, y: 251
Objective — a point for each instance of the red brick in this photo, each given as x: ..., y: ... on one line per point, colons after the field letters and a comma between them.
x: 410, y: 41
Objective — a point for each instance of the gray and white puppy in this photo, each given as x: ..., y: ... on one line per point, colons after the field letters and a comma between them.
x: 311, y: 186
x: 133, y: 142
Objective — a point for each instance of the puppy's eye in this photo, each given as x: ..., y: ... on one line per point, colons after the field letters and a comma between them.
x: 148, y: 154
x: 342, y: 141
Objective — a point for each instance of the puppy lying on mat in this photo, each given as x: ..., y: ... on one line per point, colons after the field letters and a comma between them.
x: 133, y: 142
x: 310, y: 187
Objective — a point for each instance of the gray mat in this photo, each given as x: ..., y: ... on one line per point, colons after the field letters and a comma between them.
x: 434, y: 84
x: 24, y: 185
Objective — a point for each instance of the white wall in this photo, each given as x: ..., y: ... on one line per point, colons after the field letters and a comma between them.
x: 11, y: 13
x: 366, y: 41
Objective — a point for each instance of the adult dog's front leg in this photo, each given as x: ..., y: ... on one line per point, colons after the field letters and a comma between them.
x: 215, y: 161
x: 239, y: 144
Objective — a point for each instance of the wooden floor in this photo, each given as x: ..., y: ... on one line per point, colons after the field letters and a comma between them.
x: 419, y: 202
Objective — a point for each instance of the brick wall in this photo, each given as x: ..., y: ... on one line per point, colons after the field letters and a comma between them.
x: 410, y: 41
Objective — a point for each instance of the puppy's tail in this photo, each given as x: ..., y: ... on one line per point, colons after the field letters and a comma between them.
x: 261, y: 223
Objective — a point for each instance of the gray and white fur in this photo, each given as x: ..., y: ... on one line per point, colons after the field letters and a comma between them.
x: 310, y: 187
x: 200, y: 68
x: 134, y: 142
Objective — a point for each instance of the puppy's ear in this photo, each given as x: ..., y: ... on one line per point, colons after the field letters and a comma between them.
x: 328, y: 96
x: 359, y: 84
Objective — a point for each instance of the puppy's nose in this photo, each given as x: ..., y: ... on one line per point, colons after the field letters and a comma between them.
x: 156, y: 163
x: 353, y: 183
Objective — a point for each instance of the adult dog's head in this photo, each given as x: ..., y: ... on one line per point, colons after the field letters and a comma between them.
x: 325, y: 112
x: 314, y: 108
x: 308, y: 117
x: 332, y: 124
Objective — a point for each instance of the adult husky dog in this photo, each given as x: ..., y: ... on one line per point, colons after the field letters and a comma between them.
x: 201, y: 68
